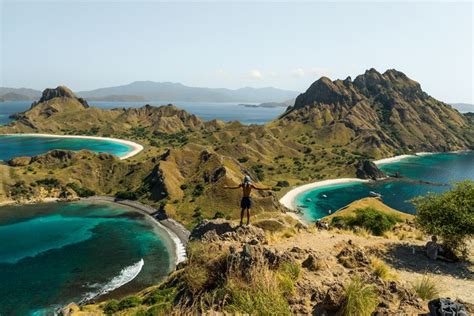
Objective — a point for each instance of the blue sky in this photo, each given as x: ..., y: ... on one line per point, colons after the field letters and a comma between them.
x: 87, y: 45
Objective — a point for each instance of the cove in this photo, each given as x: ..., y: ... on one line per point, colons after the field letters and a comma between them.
x: 439, y: 169
x: 18, y: 145
x: 56, y: 253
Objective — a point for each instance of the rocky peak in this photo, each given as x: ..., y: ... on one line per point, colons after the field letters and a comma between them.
x: 59, y: 92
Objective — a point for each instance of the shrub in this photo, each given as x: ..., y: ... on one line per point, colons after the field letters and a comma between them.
x: 449, y: 215
x: 426, y: 288
x: 82, y: 192
x: 369, y: 218
x: 198, y: 190
x: 243, y: 159
x: 111, y: 307
x: 129, y: 302
x: 160, y: 296
x: 359, y: 298
x: 49, y: 182
x: 218, y: 214
x: 183, y: 186
x: 126, y: 195
x: 283, y: 184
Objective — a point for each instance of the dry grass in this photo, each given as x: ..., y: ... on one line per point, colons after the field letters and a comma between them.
x: 360, y: 298
x: 426, y: 287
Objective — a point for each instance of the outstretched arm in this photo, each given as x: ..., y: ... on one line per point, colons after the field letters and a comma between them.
x: 232, y: 187
x: 261, y: 189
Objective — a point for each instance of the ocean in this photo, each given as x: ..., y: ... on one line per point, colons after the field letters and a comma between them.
x: 56, y: 253
x: 18, y: 145
x: 440, y: 170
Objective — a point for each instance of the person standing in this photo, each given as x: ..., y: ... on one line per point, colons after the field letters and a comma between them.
x: 246, y: 201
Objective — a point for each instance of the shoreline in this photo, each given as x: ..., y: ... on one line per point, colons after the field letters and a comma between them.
x: 176, y: 232
x: 288, y: 200
x: 136, y: 148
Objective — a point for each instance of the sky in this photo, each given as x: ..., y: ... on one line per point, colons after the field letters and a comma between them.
x: 86, y: 45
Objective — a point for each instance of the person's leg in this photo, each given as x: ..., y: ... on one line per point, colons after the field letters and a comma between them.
x: 248, y: 216
x: 242, y: 216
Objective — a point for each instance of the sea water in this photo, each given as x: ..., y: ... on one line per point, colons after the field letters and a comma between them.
x: 438, y: 170
x: 55, y: 253
x: 24, y: 145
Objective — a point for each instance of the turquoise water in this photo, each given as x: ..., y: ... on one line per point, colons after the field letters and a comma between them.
x: 225, y: 111
x: 55, y: 253
x: 17, y: 145
x: 442, y: 169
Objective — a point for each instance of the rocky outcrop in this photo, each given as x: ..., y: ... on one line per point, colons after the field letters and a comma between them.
x: 59, y: 92
x: 19, y: 161
x: 368, y: 170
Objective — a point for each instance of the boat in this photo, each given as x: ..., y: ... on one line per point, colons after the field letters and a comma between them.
x: 375, y: 194
x: 324, y: 196
x: 309, y: 200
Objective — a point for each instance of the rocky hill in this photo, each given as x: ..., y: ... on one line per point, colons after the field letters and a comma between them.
x: 60, y: 111
x: 381, y: 114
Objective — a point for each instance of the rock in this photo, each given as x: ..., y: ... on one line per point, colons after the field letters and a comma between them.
x: 218, y: 226
x: 311, y: 263
x: 59, y: 92
x: 368, y: 170
x: 19, y: 161
x: 351, y: 256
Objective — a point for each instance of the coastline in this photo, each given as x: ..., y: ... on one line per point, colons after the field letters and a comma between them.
x: 176, y: 232
x: 136, y: 148
x: 288, y: 200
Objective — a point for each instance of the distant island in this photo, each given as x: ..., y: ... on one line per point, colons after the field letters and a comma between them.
x: 269, y: 104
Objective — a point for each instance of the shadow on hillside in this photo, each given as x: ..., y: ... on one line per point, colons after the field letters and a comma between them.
x: 401, y: 257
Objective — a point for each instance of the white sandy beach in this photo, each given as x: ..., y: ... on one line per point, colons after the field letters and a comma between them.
x: 288, y: 200
x: 136, y: 148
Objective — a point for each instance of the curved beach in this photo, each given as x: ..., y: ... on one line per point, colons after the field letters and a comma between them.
x: 178, y: 233
x: 288, y: 200
x: 136, y: 148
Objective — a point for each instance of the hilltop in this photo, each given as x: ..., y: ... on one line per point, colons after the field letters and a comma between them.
x: 380, y: 114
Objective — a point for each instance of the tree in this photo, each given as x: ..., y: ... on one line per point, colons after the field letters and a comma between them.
x: 449, y: 215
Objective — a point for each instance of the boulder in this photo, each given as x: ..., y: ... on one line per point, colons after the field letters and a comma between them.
x: 19, y: 161
x: 369, y: 170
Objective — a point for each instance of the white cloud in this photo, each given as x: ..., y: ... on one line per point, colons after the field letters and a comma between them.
x: 298, y: 72
x: 320, y: 72
x: 255, y: 74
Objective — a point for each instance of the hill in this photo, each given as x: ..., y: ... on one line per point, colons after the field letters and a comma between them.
x: 168, y: 91
x: 18, y: 94
x: 186, y: 162
x: 380, y: 114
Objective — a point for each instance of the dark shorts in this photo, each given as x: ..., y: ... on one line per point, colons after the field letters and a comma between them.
x: 246, y: 202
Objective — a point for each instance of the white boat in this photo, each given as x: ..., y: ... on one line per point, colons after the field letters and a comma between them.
x: 324, y: 196
x: 309, y: 200
x: 375, y: 194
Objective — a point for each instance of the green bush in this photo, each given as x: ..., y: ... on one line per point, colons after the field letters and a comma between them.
x: 198, y: 190
x: 82, y: 192
x: 218, y: 214
x: 373, y: 220
x: 129, y: 302
x: 111, y: 307
x: 49, y: 182
x: 243, y: 159
x: 449, y: 215
x: 126, y: 195
x: 283, y: 184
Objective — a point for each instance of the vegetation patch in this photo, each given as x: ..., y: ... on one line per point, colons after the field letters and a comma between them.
x: 375, y: 221
x: 360, y: 298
